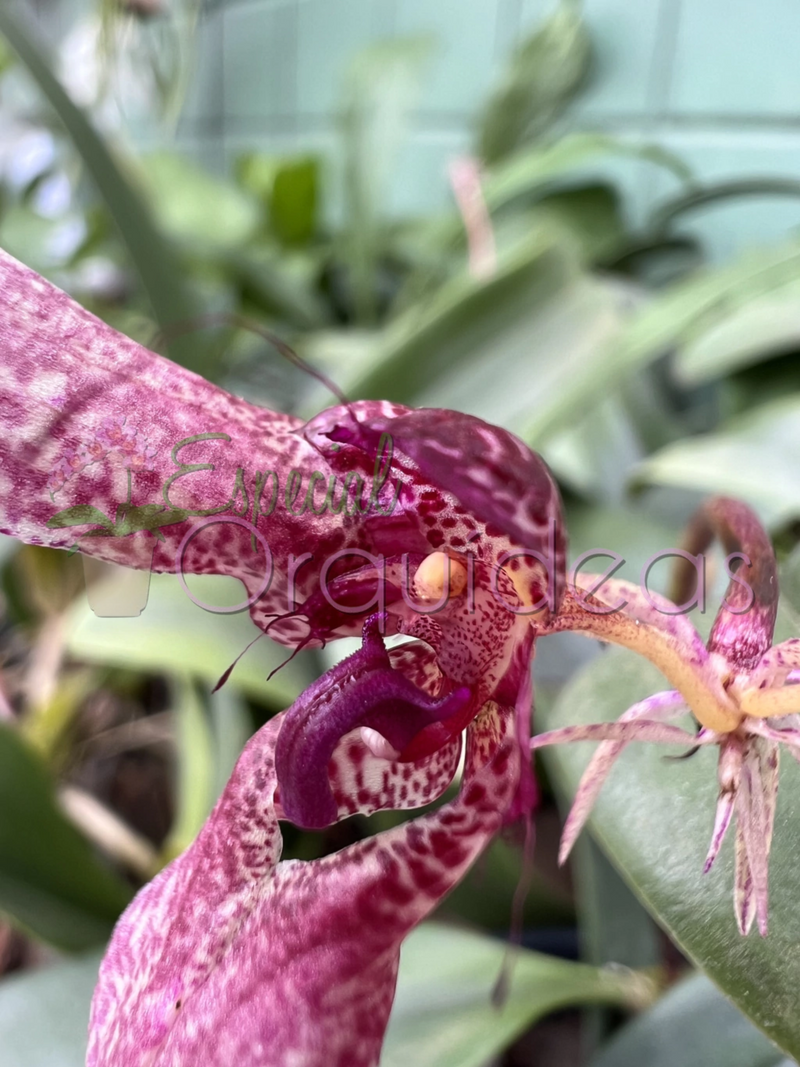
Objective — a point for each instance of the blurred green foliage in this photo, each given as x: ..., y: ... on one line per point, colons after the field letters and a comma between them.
x: 643, y: 376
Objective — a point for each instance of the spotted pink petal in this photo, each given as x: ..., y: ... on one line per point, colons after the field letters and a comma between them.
x: 755, y: 807
x: 777, y: 732
x: 743, y: 895
x: 228, y: 957
x: 776, y: 665
x: 722, y: 820
x: 52, y: 347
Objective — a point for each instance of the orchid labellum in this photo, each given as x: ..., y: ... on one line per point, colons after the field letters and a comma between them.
x: 371, y: 519
x: 740, y: 689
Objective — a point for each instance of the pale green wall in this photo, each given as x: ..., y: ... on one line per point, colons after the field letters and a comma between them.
x: 717, y: 81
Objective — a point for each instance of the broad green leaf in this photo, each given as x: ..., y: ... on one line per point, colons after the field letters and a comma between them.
x: 50, y: 879
x: 175, y: 634
x: 594, y: 456
x: 544, y: 74
x: 659, y: 261
x: 498, y: 348
x: 654, y: 819
x: 466, y: 317
x: 765, y: 327
x: 197, y: 207
x: 530, y: 168
x: 672, y: 319
x: 44, y: 1014
x: 294, y: 201
x: 289, y: 190
x: 755, y: 456
x: 591, y: 213
x: 692, y: 1026
x: 151, y: 254
x: 526, y: 178
x: 614, y: 926
x: 443, y: 1014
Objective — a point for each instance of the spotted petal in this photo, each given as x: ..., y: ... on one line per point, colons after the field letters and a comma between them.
x: 230, y: 957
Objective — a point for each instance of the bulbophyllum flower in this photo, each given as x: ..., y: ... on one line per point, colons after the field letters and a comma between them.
x: 740, y: 689
x: 371, y: 519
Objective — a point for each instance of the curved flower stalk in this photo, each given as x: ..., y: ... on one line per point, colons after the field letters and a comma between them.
x: 370, y: 519
x: 740, y: 689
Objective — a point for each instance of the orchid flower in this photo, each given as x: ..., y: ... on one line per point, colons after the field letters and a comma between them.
x: 740, y: 689
x: 370, y: 519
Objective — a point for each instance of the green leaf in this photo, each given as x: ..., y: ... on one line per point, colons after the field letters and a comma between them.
x: 755, y: 457
x: 44, y: 1014
x: 196, y: 779
x: 175, y: 634
x: 79, y: 515
x: 281, y: 285
x: 595, y: 455
x: 614, y: 926
x: 748, y: 335
x: 497, y: 348
x: 544, y: 74
x: 289, y: 191
x: 529, y: 169
x: 525, y: 178
x: 633, y: 533
x: 467, y: 317
x: 672, y: 319
x: 485, y: 896
x: 294, y: 201
x: 654, y: 819
x: 196, y: 207
x: 151, y: 254
x: 692, y: 1026
x: 381, y: 88
x: 591, y: 213
x: 50, y: 880
x: 443, y: 1014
